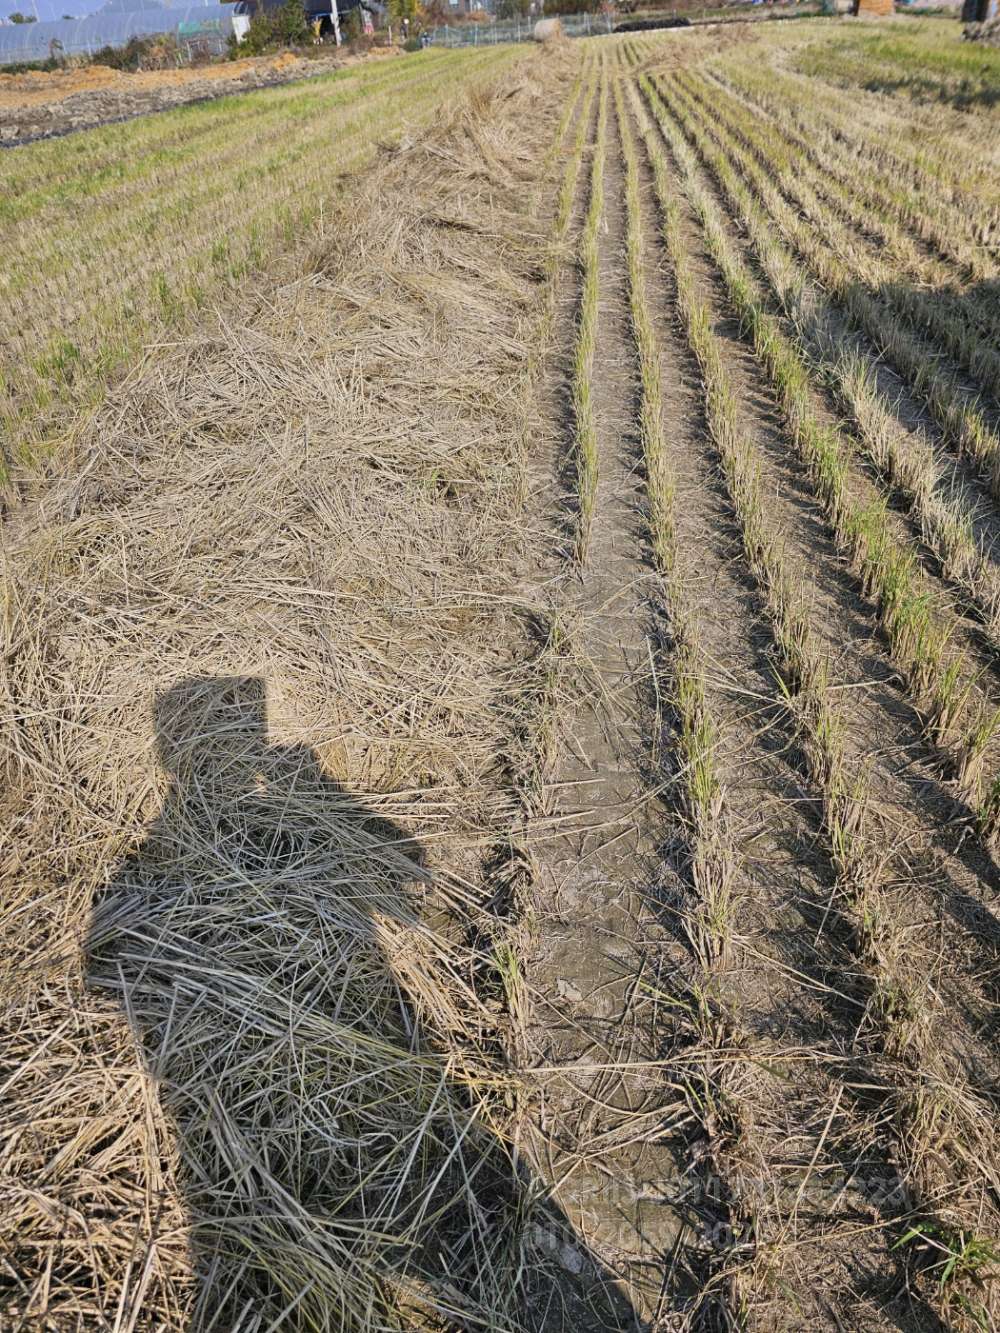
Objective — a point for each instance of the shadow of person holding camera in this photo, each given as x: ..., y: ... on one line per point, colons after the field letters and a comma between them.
x: 266, y: 947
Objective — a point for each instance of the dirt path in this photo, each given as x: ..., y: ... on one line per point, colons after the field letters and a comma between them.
x: 611, y: 893
x: 598, y: 941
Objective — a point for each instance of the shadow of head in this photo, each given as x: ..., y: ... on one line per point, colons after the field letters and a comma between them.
x: 213, y: 729
x: 245, y: 822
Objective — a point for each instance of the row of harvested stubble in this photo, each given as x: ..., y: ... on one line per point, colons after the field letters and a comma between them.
x: 807, y: 314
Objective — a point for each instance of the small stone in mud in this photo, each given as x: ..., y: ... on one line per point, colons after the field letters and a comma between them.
x: 566, y: 990
x: 571, y: 1258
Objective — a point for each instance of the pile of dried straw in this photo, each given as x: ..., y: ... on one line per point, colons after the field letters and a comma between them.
x: 257, y: 684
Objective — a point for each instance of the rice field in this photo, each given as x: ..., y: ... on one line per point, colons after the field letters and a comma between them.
x: 113, y: 238
x: 500, y: 702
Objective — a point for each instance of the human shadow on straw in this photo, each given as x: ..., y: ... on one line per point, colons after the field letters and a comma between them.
x: 331, y: 1166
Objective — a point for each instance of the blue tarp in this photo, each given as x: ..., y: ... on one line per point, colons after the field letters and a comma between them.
x: 210, y: 24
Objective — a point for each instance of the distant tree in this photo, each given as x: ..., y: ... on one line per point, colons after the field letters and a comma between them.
x: 274, y: 28
x: 291, y: 25
x: 402, y: 9
x: 512, y: 9
x: 17, y: 17
x: 352, y: 26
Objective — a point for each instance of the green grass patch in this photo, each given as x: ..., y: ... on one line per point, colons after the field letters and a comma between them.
x: 928, y: 61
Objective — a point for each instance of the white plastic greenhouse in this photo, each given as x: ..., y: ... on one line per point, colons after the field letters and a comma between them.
x: 209, y: 25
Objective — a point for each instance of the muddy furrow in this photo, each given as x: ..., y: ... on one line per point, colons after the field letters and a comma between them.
x: 599, y: 1132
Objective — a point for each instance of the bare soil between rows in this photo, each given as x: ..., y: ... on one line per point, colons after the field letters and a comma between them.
x: 50, y: 106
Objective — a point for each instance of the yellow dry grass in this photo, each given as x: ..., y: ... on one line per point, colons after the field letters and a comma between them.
x: 257, y: 690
